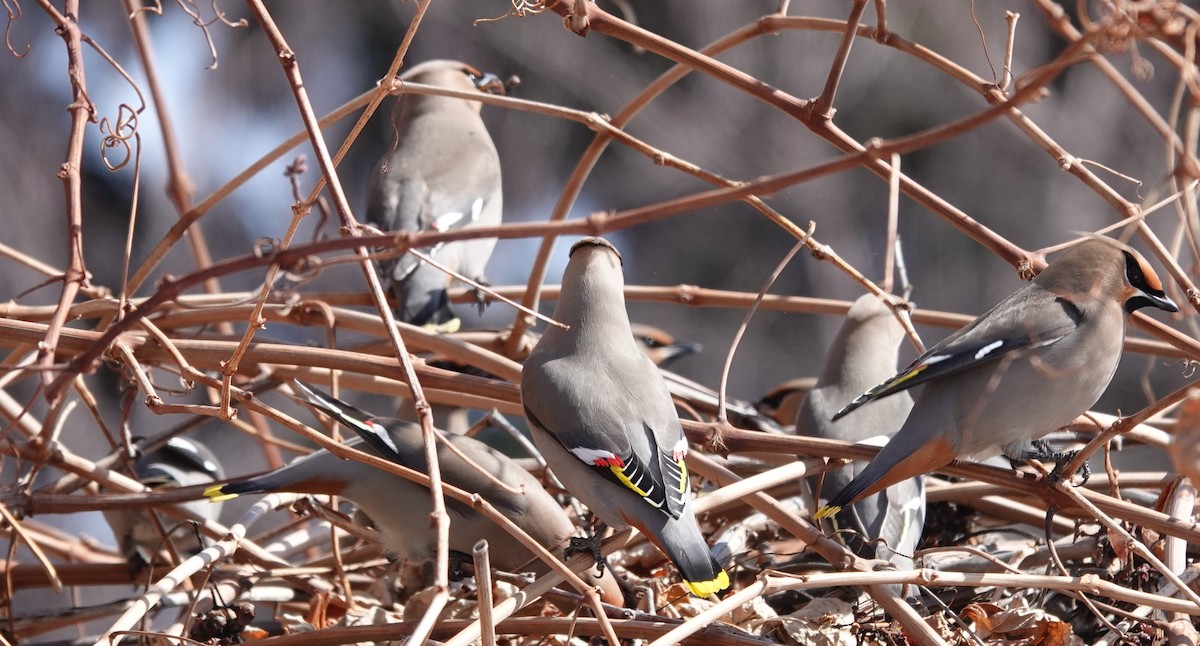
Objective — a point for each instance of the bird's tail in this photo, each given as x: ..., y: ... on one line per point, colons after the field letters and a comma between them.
x: 218, y: 493
x: 681, y: 541
x: 703, y: 588
x: 289, y: 478
x: 895, y: 463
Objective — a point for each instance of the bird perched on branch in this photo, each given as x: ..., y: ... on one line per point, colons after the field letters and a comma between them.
x: 863, y: 354
x: 658, y: 344
x: 401, y: 509
x: 181, y: 462
x: 442, y: 175
x: 602, y: 417
x: 782, y: 402
x: 1027, y: 367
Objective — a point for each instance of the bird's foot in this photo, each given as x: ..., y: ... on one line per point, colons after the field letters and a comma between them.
x: 138, y: 565
x: 481, y: 297
x: 1061, y: 460
x: 590, y: 545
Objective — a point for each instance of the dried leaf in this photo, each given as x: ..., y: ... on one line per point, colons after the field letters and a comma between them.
x: 1018, y: 622
x: 822, y: 622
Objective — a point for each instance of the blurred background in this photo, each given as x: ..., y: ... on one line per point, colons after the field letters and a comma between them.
x: 230, y: 113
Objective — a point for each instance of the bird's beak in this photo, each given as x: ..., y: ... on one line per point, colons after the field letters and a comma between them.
x: 670, y: 353
x: 490, y: 83
x: 1165, y: 303
x: 1146, y: 299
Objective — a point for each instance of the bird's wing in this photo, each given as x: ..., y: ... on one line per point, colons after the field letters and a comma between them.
x: 376, y: 435
x: 904, y: 518
x: 631, y: 438
x: 440, y: 191
x: 1016, y: 324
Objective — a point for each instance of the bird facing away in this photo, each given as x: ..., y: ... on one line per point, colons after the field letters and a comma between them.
x: 443, y: 175
x: 401, y: 509
x: 863, y: 354
x: 1026, y: 367
x: 181, y: 462
x: 601, y: 415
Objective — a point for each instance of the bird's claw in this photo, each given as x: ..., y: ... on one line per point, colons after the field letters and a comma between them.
x: 481, y: 297
x: 1061, y: 460
x: 589, y: 545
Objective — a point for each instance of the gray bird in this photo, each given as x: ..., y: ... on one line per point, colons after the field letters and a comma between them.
x: 863, y: 354
x: 601, y: 415
x: 443, y: 175
x: 1026, y: 367
x: 401, y: 509
x: 181, y: 462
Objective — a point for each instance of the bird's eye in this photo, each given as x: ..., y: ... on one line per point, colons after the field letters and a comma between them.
x: 1139, y: 277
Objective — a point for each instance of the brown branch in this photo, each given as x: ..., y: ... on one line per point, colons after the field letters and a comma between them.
x: 82, y: 111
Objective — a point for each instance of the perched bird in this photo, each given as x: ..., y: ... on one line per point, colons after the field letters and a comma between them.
x: 863, y: 354
x: 601, y: 415
x: 181, y: 462
x: 782, y: 402
x: 1026, y: 367
x: 694, y: 397
x: 400, y: 508
x: 443, y: 175
x: 662, y: 348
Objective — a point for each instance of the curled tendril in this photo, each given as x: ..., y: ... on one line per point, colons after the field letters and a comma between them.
x: 303, y: 270
x: 264, y: 247
x: 285, y: 287
x: 241, y: 22
x: 193, y: 12
x: 119, y: 137
x: 13, y: 8
x: 522, y: 8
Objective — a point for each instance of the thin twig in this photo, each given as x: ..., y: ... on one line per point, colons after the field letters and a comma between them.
x: 737, y: 336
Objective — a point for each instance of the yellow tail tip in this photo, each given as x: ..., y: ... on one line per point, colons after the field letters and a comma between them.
x: 214, y: 494
x: 449, y: 327
x: 826, y: 512
x: 705, y: 588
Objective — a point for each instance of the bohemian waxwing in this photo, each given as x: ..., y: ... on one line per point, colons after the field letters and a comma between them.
x: 1026, y: 367
x: 863, y: 354
x: 782, y: 402
x: 601, y: 415
x: 443, y: 174
x: 658, y: 344
x: 401, y: 509
x: 181, y: 462
x: 694, y: 397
